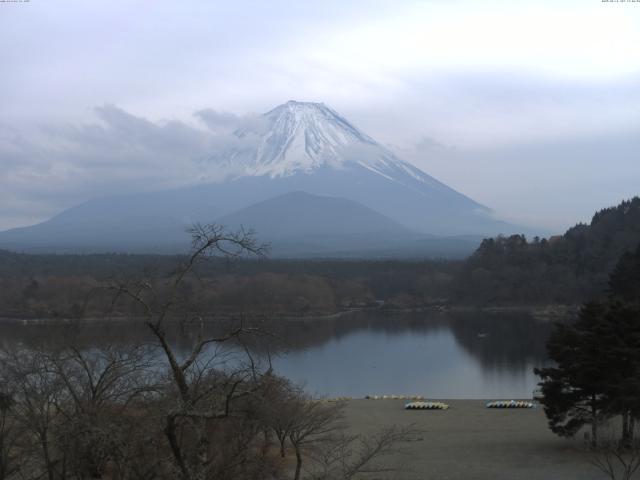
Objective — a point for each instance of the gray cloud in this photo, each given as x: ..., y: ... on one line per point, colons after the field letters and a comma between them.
x: 481, y: 109
x: 55, y: 166
x: 553, y: 184
x: 216, y: 120
x: 427, y: 144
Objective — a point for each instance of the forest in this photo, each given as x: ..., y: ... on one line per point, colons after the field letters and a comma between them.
x: 566, y: 269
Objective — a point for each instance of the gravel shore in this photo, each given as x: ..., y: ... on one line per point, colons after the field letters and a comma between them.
x: 469, y: 441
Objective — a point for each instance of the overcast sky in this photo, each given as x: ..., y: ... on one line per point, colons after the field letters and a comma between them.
x: 532, y: 107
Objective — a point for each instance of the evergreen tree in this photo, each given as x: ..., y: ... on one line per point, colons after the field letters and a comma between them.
x: 574, y: 389
x: 598, y: 360
x: 624, y: 281
x: 620, y: 354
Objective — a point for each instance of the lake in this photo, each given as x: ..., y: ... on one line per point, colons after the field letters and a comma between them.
x: 436, y: 355
x: 471, y: 355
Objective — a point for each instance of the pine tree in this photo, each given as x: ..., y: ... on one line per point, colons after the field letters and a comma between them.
x: 597, y: 375
x: 574, y: 390
x: 624, y: 281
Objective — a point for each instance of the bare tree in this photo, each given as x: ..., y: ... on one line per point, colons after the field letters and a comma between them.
x: 317, y: 432
x: 100, y: 384
x: 203, y: 395
x: 37, y: 394
x: 346, y: 456
x: 312, y: 422
x: 281, y: 406
x: 617, y: 459
x: 75, y: 409
x: 10, y: 436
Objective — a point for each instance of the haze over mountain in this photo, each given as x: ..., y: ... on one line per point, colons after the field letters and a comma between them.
x: 296, y: 147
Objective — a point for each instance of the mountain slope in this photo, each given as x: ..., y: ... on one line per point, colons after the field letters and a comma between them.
x: 299, y: 224
x: 298, y: 214
x: 308, y: 146
x: 295, y: 147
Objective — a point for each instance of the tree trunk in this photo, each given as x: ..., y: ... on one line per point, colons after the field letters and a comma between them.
x: 203, y: 449
x: 267, y: 442
x: 47, y: 459
x: 625, y: 428
x: 172, y: 438
x: 42, y: 436
x: 298, y: 463
x: 594, y: 422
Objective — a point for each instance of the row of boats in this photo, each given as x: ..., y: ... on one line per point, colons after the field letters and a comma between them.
x: 494, y: 404
x: 419, y: 402
x: 426, y: 406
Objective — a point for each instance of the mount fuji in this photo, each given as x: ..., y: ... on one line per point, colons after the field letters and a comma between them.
x: 301, y: 175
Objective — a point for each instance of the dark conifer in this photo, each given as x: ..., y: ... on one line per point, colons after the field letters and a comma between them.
x: 597, y: 372
x: 574, y: 389
x: 624, y: 281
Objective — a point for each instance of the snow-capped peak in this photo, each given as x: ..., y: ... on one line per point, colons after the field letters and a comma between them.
x: 303, y: 137
x: 300, y: 137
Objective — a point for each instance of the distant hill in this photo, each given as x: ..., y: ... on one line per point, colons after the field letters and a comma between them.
x: 296, y: 224
x: 301, y: 224
x: 563, y: 269
x: 300, y: 214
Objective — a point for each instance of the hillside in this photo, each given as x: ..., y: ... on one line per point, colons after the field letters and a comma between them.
x: 563, y: 269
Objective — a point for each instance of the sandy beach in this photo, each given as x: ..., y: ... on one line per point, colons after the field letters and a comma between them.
x: 470, y: 441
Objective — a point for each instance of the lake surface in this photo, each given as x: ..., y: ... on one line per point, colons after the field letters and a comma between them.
x: 438, y: 355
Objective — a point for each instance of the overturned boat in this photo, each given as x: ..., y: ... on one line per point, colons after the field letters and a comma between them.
x: 510, y: 404
x: 426, y: 406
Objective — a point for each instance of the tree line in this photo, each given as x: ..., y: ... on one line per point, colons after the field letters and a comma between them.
x: 567, y: 269
x: 59, y: 286
x: 514, y: 270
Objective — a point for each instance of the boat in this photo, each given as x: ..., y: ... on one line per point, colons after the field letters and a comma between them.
x: 426, y: 406
x: 510, y: 404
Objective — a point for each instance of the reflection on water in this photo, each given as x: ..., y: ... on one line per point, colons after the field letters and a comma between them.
x: 440, y: 355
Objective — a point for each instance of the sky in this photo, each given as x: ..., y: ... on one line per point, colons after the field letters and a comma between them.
x: 531, y: 108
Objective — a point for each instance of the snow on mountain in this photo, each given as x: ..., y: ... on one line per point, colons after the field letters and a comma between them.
x: 302, y: 137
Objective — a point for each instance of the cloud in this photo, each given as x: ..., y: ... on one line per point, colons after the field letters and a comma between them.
x: 52, y: 167
x: 552, y: 184
x: 217, y: 120
x: 428, y: 144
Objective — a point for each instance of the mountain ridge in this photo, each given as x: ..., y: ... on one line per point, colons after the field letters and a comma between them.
x: 306, y: 136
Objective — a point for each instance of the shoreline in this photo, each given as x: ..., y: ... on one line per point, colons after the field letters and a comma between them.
x: 551, y: 312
